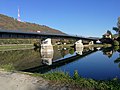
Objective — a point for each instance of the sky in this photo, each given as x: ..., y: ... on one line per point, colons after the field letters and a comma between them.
x: 75, y: 17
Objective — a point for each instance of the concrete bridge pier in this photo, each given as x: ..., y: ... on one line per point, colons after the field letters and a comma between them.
x: 91, y: 43
x: 79, y: 47
x: 79, y: 43
x: 47, y: 51
x: 47, y: 42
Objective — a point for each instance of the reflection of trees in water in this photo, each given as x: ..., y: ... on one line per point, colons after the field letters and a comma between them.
x: 64, y: 51
x: 118, y: 61
x: 117, y: 48
x: 19, y: 59
x: 71, y: 51
x: 108, y: 51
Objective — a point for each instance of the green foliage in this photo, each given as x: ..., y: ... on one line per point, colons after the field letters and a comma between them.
x: 76, y: 75
x: 16, y: 47
x: 115, y: 43
x: 36, y: 44
x: 106, y: 45
x: 71, y: 51
x: 116, y: 48
x: 116, y: 29
x: 109, y: 32
x: 18, y: 59
x: 77, y: 81
x: 17, y: 41
x: 7, y: 67
x: 56, y: 76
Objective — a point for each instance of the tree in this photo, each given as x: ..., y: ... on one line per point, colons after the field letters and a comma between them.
x: 117, y: 29
x: 118, y: 24
x: 109, y: 32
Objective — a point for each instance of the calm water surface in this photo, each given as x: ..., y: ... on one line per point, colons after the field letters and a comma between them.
x: 89, y: 62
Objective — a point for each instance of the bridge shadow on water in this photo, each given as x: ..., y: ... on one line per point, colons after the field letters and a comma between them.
x: 55, y: 64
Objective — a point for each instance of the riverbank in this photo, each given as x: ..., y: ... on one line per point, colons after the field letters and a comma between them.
x: 7, y: 47
x: 28, y: 81
x: 17, y: 81
x: 52, y: 81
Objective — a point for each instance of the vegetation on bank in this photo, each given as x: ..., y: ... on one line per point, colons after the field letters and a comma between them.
x: 17, y: 41
x: 78, y: 82
x: 15, y: 47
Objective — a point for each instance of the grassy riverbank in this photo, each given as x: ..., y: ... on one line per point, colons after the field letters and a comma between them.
x: 82, y: 83
x: 15, y: 46
x: 76, y: 82
x: 99, y: 45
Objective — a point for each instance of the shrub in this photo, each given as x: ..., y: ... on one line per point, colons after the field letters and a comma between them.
x: 115, y: 43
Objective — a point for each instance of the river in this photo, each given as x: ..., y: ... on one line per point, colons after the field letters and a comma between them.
x: 95, y: 63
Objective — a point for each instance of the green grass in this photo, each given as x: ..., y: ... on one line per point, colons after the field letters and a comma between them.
x: 7, y: 67
x: 79, y: 82
x: 101, y: 45
x: 17, y: 46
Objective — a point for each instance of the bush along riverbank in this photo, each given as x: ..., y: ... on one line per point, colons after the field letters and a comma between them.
x: 78, y: 83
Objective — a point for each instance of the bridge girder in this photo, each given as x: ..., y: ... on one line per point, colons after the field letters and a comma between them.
x: 35, y: 35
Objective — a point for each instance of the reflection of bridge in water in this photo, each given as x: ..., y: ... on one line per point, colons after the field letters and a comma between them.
x: 55, y: 64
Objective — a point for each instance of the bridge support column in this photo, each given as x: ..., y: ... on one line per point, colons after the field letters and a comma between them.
x: 47, y: 51
x: 47, y: 41
x: 79, y: 43
x: 79, y: 47
x: 91, y: 42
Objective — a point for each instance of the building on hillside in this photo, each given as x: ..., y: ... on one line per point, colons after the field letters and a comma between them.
x: 107, y: 35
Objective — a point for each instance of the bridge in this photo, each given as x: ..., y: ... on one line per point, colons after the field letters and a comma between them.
x: 17, y: 34
x: 37, y: 35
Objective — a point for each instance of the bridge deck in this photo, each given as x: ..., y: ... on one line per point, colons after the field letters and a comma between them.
x: 20, y: 34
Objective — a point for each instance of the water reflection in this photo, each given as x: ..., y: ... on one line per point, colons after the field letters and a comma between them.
x: 91, y: 48
x: 67, y: 59
x: 117, y: 60
x: 110, y: 50
x: 47, y: 54
x: 79, y: 50
x: 64, y: 51
x: 71, y: 51
x: 52, y: 62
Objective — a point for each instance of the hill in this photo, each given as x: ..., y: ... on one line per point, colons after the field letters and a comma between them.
x: 9, y: 23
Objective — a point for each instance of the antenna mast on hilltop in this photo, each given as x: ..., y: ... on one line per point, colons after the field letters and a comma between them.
x: 19, y: 15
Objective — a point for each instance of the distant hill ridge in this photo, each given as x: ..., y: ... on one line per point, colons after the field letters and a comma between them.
x: 9, y: 23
